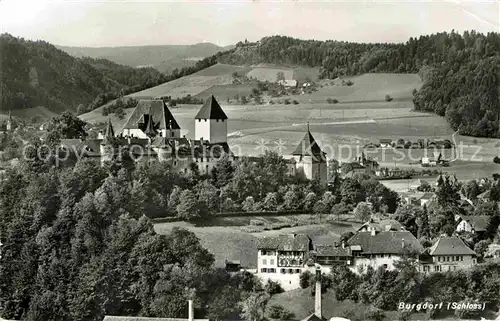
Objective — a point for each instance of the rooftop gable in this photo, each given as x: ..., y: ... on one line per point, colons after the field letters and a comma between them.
x: 450, y: 246
x: 157, y: 109
x: 308, y: 147
x: 211, y: 110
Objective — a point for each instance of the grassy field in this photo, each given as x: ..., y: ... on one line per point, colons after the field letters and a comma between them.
x: 40, y: 111
x: 269, y: 74
x: 227, y: 238
x: 223, y: 92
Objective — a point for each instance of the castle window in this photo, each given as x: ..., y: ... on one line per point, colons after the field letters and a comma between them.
x: 175, y: 163
x: 199, y: 120
x: 205, y: 120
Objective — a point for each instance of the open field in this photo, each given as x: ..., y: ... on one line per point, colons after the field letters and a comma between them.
x: 40, y: 111
x: 226, y: 238
x: 223, y: 92
x: 269, y: 74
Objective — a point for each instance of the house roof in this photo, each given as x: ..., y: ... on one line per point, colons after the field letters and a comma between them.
x: 385, y: 140
x: 331, y: 250
x: 384, y: 225
x: 386, y: 242
x: 155, y: 108
x: 288, y: 82
x: 479, y: 222
x: 211, y: 110
x: 117, y: 318
x: 286, y: 242
x: 450, y: 246
x: 308, y: 147
x: 351, y: 166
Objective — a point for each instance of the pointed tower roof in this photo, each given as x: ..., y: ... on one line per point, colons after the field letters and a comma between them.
x: 211, y: 110
x: 150, y: 127
x: 308, y: 146
x: 110, y: 133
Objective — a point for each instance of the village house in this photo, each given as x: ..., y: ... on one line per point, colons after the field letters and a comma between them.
x: 473, y: 224
x: 381, y: 225
x: 447, y: 254
x: 417, y: 198
x: 360, y: 165
x: 373, y: 246
x: 282, y: 258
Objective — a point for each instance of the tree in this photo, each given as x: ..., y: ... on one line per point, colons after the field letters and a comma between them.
x: 492, y: 227
x: 248, y: 204
x: 188, y: 208
x: 207, y: 198
x: 309, y: 202
x: 280, y: 76
x: 305, y: 279
x: 362, y: 212
x: 388, y: 98
x: 481, y: 247
x: 278, y: 312
x: 223, y: 171
x: 65, y: 126
x: 273, y: 287
x: 270, y: 203
x: 254, y: 306
x: 291, y: 201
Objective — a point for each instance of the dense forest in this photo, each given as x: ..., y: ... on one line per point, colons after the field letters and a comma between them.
x: 460, y: 73
x: 36, y: 73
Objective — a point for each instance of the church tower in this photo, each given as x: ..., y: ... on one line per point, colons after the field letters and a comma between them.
x: 211, y: 123
x: 310, y: 159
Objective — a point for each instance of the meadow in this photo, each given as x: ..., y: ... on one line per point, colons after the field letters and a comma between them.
x: 237, y: 239
x: 361, y: 116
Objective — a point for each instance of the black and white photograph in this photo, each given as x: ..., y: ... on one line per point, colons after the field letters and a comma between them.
x: 249, y: 160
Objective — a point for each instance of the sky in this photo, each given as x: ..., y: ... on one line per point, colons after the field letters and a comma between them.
x: 92, y: 23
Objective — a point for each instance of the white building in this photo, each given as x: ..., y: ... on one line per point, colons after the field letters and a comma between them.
x: 283, y: 258
x: 448, y: 254
x: 472, y: 224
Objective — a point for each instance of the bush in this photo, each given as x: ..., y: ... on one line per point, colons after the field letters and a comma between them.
x: 295, y: 102
x: 496, y: 160
x: 331, y: 101
x: 287, y: 101
x: 279, y: 313
x: 256, y: 223
x: 305, y: 279
x: 272, y: 287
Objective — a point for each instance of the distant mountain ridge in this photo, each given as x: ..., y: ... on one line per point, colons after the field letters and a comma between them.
x: 164, y: 58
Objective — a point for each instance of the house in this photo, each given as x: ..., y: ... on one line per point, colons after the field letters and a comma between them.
x: 130, y: 318
x: 493, y: 252
x: 381, y: 225
x: 233, y: 266
x: 328, y: 256
x: 282, y: 258
x: 352, y: 168
x: 381, y: 249
x: 311, y: 162
x: 417, y: 198
x: 385, y: 143
x: 289, y: 83
x: 447, y: 254
x: 473, y: 224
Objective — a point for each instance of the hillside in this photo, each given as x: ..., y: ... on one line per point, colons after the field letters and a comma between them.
x: 461, y: 72
x: 164, y: 58
x: 37, y: 74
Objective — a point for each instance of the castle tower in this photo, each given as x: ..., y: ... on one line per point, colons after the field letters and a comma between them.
x: 310, y: 159
x: 211, y: 122
x: 107, y: 148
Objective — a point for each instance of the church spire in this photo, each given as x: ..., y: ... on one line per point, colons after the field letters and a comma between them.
x: 109, y: 133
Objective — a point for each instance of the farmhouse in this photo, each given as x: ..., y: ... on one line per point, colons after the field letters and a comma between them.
x: 473, y: 224
x: 282, y: 258
x: 289, y: 83
x: 417, y: 198
x: 447, y: 254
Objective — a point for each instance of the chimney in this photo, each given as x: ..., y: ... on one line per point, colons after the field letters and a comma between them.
x: 402, y: 243
x: 317, y: 296
x: 191, y: 310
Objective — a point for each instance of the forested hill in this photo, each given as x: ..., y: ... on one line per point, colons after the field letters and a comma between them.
x: 460, y: 72
x: 38, y: 74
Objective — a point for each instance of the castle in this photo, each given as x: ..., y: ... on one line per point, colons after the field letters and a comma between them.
x: 152, y: 133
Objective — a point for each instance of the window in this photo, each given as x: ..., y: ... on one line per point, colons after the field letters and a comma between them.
x: 217, y: 120
x: 205, y: 120
x: 199, y: 120
x: 172, y: 134
x: 283, y: 271
x: 175, y: 163
x: 385, y: 266
x: 263, y: 270
x: 461, y: 258
x: 271, y: 262
x: 263, y: 252
x: 264, y: 262
x: 454, y: 268
x: 290, y: 271
x: 297, y: 270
